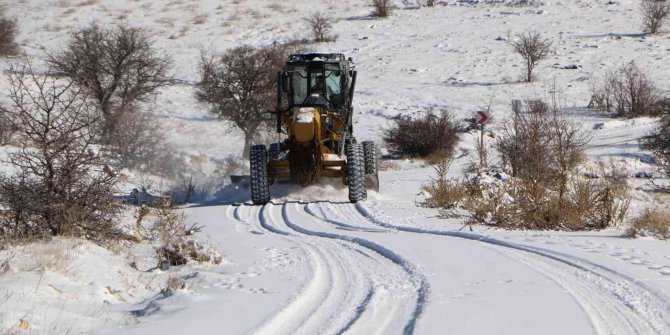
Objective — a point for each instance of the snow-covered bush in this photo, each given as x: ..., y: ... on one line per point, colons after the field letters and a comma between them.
x: 432, y: 131
x: 512, y: 203
x: 176, y: 244
x: 654, y: 223
x: 628, y: 92
x: 188, y: 249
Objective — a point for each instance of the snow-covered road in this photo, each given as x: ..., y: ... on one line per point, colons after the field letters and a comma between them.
x: 381, y: 268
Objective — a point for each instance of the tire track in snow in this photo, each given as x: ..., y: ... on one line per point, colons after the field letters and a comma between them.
x: 335, y: 297
x: 625, y: 304
x: 418, y: 279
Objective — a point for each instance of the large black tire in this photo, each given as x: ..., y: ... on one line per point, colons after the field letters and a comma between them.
x: 258, y: 167
x: 371, y: 154
x: 356, y: 173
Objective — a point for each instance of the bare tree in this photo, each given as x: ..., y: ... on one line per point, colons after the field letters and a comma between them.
x: 8, y: 32
x: 62, y: 185
x: 382, y: 8
x: 321, y: 25
x: 240, y: 85
x: 629, y: 92
x: 116, y: 66
x: 533, y: 48
x: 654, y: 15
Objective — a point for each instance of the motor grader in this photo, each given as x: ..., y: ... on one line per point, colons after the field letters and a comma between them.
x: 315, y: 138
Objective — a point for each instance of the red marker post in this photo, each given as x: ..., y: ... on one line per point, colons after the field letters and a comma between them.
x: 481, y: 117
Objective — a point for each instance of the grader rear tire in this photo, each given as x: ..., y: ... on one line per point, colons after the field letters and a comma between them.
x: 356, y: 173
x: 260, y: 183
x: 371, y: 153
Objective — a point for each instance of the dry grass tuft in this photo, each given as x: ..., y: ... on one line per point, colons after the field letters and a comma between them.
x: 655, y: 223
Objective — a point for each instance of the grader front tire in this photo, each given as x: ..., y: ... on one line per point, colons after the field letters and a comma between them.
x: 260, y: 182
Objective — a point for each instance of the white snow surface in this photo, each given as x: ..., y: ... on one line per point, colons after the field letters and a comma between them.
x: 312, y: 263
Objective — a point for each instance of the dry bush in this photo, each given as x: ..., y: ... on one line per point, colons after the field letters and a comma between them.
x: 62, y: 184
x: 431, y: 131
x: 658, y: 142
x: 629, y: 92
x: 542, y: 151
x: 541, y: 145
x: 430, y: 3
x: 533, y: 48
x: 322, y: 26
x: 523, y: 204
x: 445, y: 193
x: 382, y: 8
x: 177, y: 246
x: 655, y: 223
x: 240, y: 85
x: 8, y: 32
x: 654, y: 15
x: 118, y: 67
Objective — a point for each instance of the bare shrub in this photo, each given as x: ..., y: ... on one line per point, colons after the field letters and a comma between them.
x: 382, y: 8
x: 177, y: 246
x: 118, y: 67
x: 541, y: 146
x: 628, y: 92
x: 658, y: 142
x: 523, y: 204
x: 655, y: 223
x: 137, y: 139
x: 445, y: 193
x: 654, y: 15
x: 62, y: 184
x: 240, y: 85
x: 430, y: 3
x: 542, y: 151
x: 533, y: 48
x: 322, y: 26
x: 431, y: 131
x: 8, y: 32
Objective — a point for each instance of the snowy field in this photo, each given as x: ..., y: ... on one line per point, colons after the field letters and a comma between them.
x: 312, y: 263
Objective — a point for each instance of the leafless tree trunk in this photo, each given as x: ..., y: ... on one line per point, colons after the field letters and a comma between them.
x: 533, y: 48
x: 654, y: 15
x: 240, y: 85
x: 62, y: 185
x: 117, y: 67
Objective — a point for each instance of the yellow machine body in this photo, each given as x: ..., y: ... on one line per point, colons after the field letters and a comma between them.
x: 310, y: 126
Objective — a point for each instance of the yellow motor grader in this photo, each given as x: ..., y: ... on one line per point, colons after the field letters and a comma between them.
x: 316, y: 121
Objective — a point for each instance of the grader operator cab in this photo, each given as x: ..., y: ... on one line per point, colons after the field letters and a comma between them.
x: 316, y: 120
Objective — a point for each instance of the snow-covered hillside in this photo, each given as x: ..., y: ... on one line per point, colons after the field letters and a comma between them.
x: 310, y: 262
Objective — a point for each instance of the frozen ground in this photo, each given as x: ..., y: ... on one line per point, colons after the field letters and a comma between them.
x: 305, y: 265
